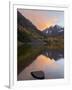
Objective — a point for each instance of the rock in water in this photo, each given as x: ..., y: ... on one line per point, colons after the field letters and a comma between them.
x: 38, y: 74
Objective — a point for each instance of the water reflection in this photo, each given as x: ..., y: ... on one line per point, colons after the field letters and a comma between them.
x: 51, y: 62
x: 56, y: 54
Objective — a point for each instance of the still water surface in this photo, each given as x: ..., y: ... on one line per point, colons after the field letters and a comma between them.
x: 51, y: 62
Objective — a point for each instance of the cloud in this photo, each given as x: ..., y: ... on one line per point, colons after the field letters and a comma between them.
x: 43, y: 19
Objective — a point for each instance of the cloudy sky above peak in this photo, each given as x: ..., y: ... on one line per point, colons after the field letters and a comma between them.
x: 44, y: 18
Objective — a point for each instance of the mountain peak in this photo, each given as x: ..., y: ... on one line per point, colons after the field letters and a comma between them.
x: 57, y: 27
x: 54, y: 30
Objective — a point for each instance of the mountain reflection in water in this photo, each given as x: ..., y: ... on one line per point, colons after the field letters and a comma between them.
x: 51, y: 62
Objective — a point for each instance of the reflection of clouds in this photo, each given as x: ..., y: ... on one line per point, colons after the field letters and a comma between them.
x: 44, y: 60
x: 52, y: 69
x: 55, y: 70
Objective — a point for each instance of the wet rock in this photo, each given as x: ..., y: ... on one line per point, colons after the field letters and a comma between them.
x: 38, y: 74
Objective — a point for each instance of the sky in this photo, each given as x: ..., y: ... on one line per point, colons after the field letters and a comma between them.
x: 43, y: 19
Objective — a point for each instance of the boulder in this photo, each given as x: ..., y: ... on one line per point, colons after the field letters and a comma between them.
x: 38, y: 74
